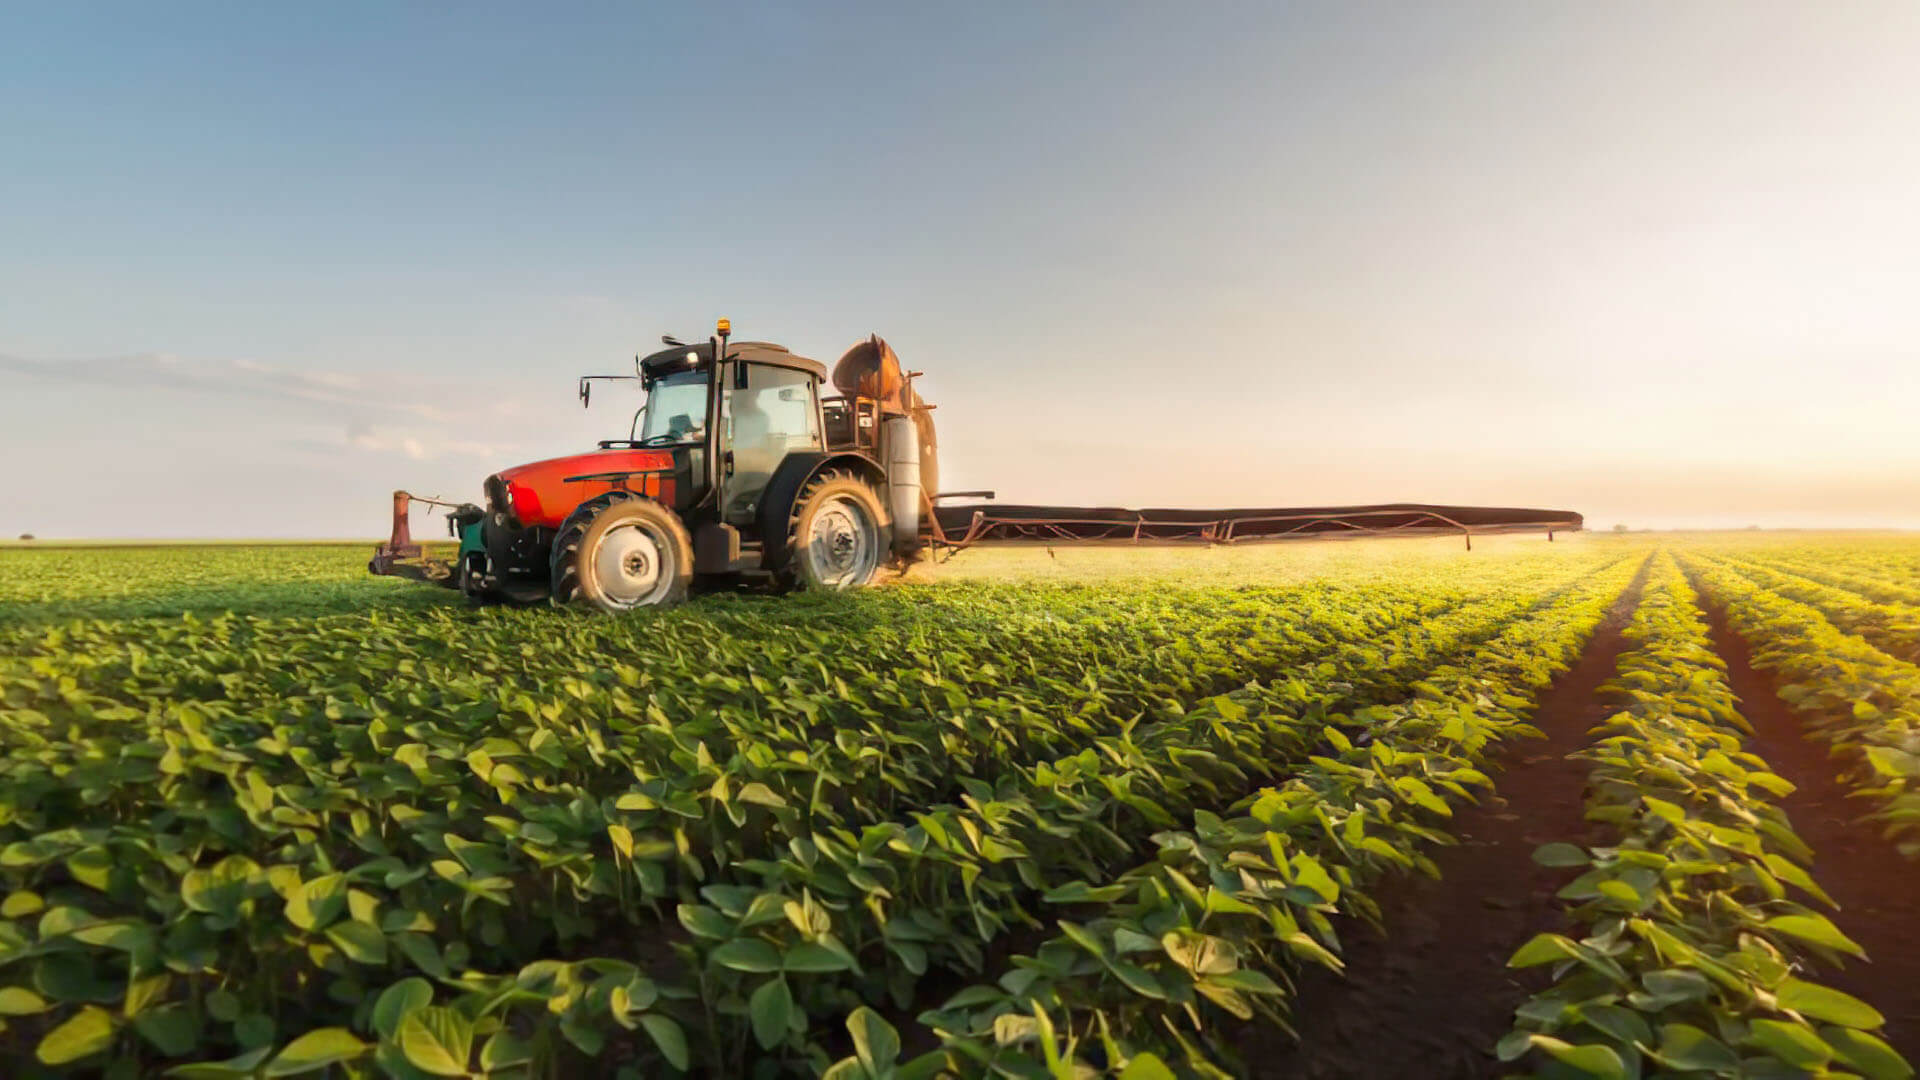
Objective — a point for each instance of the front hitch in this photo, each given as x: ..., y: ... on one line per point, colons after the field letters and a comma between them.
x: 401, y: 557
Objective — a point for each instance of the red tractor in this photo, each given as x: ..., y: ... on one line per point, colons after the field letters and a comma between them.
x: 735, y: 468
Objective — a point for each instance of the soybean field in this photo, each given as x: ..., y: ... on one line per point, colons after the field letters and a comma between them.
x: 1609, y: 807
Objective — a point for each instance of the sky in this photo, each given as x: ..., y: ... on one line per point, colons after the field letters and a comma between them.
x: 260, y: 265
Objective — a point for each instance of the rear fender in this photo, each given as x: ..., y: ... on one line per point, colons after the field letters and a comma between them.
x: 776, y: 504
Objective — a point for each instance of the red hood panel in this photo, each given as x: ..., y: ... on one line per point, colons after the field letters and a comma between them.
x: 542, y: 496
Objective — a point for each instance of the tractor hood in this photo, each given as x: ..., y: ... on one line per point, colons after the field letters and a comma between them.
x: 544, y: 492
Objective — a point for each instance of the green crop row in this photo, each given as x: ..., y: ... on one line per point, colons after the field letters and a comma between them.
x: 43, y: 583
x: 849, y: 916
x: 1863, y: 703
x: 1153, y: 959
x: 1867, y: 583
x: 1893, y: 565
x: 1692, y: 949
x: 1892, y: 628
x: 226, y: 828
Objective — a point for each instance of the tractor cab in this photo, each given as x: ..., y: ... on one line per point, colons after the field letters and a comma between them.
x: 768, y: 407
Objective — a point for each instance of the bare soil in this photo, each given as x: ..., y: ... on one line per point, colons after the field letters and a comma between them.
x: 1432, y: 996
x: 1878, y: 891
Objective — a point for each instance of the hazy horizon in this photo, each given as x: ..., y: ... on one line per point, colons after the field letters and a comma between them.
x: 1654, y: 264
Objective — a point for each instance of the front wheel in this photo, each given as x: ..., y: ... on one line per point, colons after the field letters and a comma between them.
x: 836, y: 535
x: 619, y: 552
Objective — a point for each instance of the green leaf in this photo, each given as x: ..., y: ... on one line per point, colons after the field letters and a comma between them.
x: 1622, y: 1025
x: 973, y: 997
x: 361, y: 942
x: 318, y: 902
x: 1542, y: 949
x: 1677, y: 984
x: 224, y: 1006
x: 1590, y: 1059
x: 219, y: 889
x: 1889, y: 761
x: 1619, y: 892
x: 86, y: 1032
x: 703, y: 921
x: 1199, y: 953
x: 230, y: 1069
x: 588, y: 1038
x: 170, y: 1028
x: 1146, y: 1067
x: 1559, y: 854
x: 1246, y: 980
x: 20, y: 1001
x: 809, y: 957
x: 1815, y: 929
x: 747, y: 954
x: 761, y: 794
x: 1079, y: 892
x: 1795, y: 1044
x: 667, y: 1035
x: 771, y: 1008
x: 1825, y: 1003
x: 875, y: 1042
x: 1513, y: 1045
x: 253, y: 1029
x: 142, y: 993
x: 505, y: 1050
x: 124, y: 936
x: 1663, y: 809
x: 1875, y: 1059
x: 396, y: 1001
x: 316, y: 1050
x: 622, y: 838
x: 437, y: 1040
x: 425, y: 956
x: 1684, y: 1046
x: 1142, y: 982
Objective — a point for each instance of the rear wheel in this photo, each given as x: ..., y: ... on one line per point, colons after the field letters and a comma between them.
x: 836, y: 538
x: 621, y: 551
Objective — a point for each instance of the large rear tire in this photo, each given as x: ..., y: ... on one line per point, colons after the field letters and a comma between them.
x: 837, y: 533
x: 620, y: 551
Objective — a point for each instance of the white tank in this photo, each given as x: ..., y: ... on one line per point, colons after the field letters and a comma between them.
x: 902, y: 449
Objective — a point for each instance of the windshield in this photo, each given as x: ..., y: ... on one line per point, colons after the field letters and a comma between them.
x: 676, y: 410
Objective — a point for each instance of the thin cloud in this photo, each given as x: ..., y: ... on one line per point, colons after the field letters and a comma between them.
x: 335, y: 390
x: 322, y: 412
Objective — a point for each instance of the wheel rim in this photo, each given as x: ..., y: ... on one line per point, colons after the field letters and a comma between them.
x: 632, y: 566
x: 843, y: 547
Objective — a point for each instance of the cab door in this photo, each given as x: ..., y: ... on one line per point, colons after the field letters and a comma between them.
x: 767, y: 413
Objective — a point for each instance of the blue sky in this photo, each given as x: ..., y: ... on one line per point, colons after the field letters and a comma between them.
x: 260, y: 265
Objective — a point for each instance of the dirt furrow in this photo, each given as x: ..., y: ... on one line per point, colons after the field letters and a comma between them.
x: 1878, y: 891
x: 1432, y: 996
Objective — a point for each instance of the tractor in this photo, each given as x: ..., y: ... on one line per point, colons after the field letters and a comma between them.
x: 736, y: 469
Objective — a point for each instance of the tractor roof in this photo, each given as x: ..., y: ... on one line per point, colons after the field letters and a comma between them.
x: 671, y: 360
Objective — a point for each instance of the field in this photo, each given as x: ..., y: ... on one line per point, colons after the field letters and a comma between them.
x: 1607, y: 807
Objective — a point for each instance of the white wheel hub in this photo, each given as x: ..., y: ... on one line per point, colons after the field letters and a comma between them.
x: 843, y: 546
x: 632, y: 565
